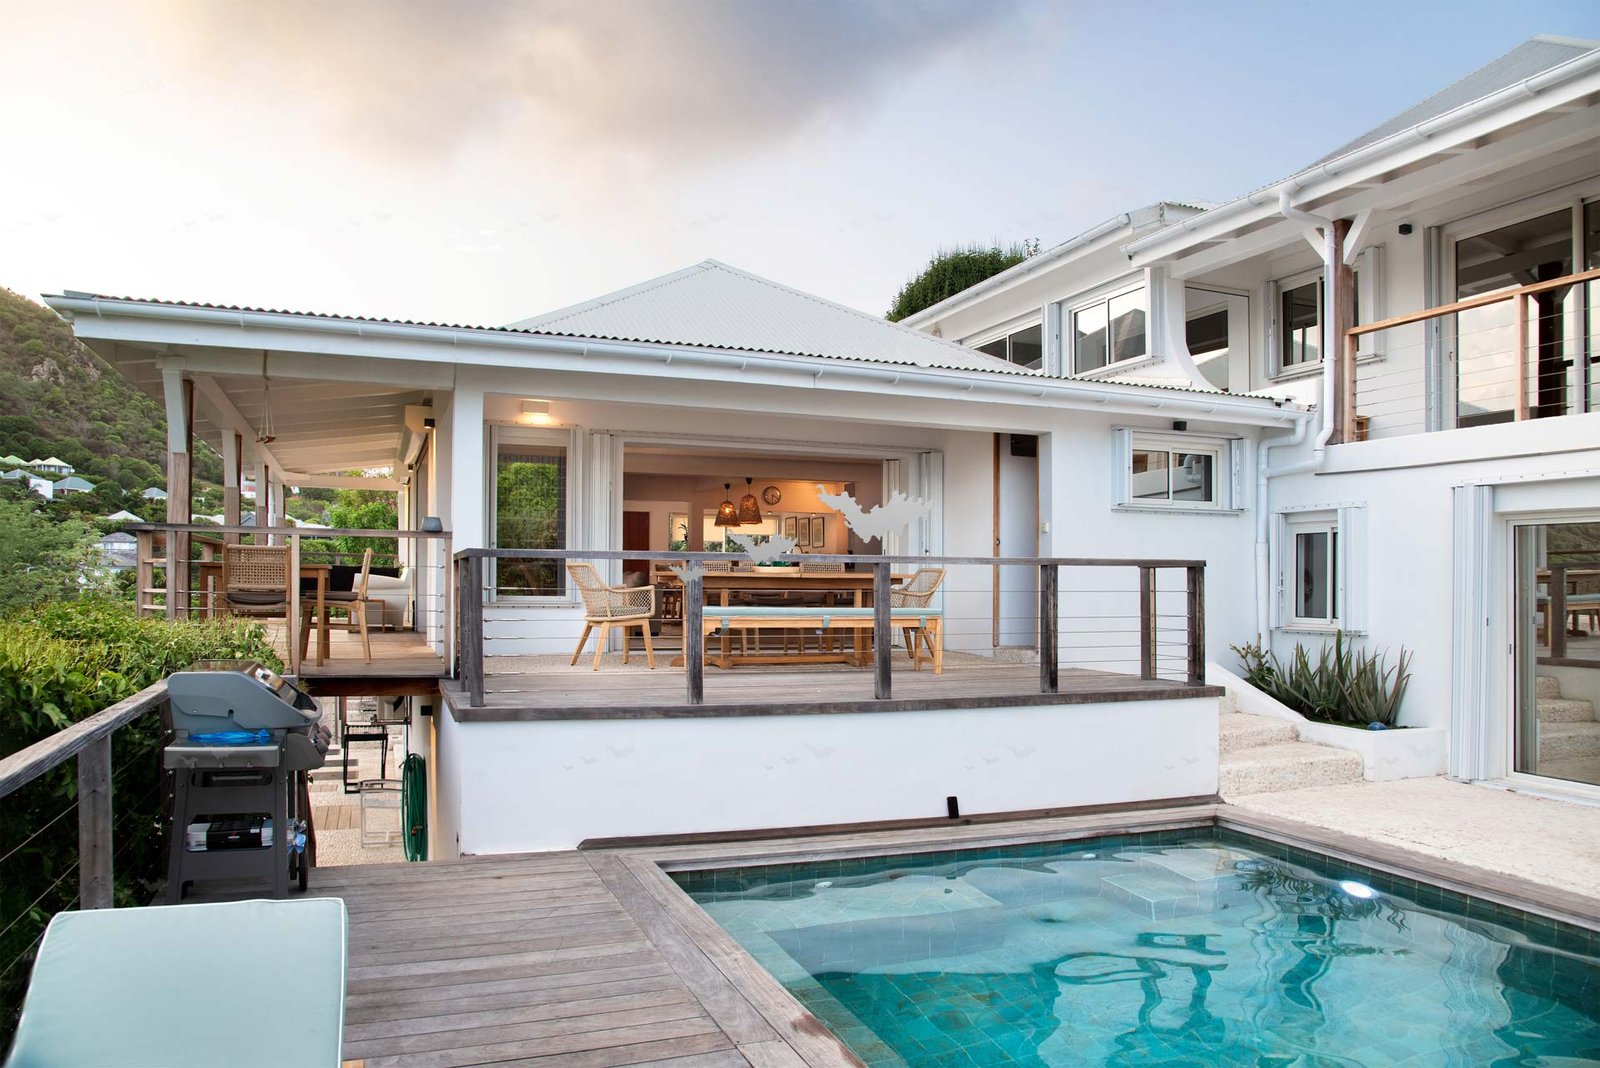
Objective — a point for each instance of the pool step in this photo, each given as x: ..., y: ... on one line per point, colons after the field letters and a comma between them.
x: 1286, y: 766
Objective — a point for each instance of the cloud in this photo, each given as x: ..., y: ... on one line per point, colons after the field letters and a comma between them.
x: 647, y: 78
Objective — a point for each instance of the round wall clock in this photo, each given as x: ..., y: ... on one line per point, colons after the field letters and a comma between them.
x: 771, y: 495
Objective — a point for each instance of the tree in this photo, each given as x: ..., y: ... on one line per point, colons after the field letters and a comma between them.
x: 44, y: 558
x: 366, y: 510
x: 952, y: 270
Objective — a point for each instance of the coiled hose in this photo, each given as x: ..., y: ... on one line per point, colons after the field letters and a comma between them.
x: 414, y: 807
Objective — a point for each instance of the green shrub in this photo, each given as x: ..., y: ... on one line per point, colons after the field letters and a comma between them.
x: 58, y: 665
x: 1343, y: 685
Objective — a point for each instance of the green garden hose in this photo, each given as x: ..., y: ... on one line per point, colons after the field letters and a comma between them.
x: 414, y: 807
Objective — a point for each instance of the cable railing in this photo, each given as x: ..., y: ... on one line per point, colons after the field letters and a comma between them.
x: 958, y: 624
x: 408, y: 588
x: 1528, y: 352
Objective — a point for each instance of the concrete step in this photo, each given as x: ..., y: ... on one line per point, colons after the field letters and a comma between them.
x: 1285, y: 766
x: 1565, y: 710
x: 1547, y: 686
x: 1240, y: 730
x: 1559, y: 741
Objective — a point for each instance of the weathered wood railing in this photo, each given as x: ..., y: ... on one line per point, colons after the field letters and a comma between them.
x: 90, y: 742
x: 197, y: 589
x: 1354, y: 423
x: 473, y: 581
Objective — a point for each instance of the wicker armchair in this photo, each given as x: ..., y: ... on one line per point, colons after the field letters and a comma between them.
x: 255, y: 580
x: 917, y: 592
x: 612, y: 606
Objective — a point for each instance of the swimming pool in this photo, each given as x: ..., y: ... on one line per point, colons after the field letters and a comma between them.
x: 1196, y: 947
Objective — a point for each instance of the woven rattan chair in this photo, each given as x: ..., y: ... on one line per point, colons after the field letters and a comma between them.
x: 612, y: 606
x: 917, y: 592
x: 255, y: 580
x: 352, y: 602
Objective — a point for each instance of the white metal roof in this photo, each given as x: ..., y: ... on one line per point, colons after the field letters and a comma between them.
x: 713, y: 305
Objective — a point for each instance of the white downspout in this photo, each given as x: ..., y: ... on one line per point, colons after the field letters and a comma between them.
x: 1264, y: 515
x: 1330, y: 330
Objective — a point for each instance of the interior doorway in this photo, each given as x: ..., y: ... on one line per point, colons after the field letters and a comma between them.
x: 1555, y: 731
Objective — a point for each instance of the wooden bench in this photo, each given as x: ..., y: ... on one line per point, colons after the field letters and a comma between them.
x: 923, y: 629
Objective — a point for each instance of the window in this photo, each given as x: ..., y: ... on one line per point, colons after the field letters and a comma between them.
x: 531, y: 509
x: 1295, y: 305
x: 1107, y: 331
x: 1176, y: 471
x: 1320, y: 563
x: 1024, y: 347
x: 1316, y: 573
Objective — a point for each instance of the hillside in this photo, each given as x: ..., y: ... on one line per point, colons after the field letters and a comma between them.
x: 59, y: 399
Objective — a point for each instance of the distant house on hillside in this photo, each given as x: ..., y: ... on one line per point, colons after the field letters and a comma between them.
x: 154, y: 493
x: 119, y: 549
x: 12, y: 460
x: 124, y: 516
x: 74, y: 484
x: 42, y: 486
x: 53, y: 466
x: 16, y: 474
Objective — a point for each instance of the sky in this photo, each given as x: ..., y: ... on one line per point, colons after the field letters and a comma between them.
x: 482, y: 161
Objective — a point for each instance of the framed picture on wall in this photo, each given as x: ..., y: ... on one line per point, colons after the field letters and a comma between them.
x: 789, y: 523
x: 819, y: 532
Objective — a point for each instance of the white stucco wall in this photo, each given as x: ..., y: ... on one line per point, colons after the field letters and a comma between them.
x: 550, y: 785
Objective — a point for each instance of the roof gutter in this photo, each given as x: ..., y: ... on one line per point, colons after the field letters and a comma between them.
x: 1111, y: 397
x: 1171, y: 239
x: 1018, y: 272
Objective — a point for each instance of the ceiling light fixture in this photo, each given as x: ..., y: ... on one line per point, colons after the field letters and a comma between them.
x: 749, y: 507
x: 536, y: 413
x: 727, y: 514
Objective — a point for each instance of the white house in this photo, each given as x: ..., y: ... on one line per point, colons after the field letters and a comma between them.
x: 122, y: 516
x: 154, y: 493
x: 52, y: 466
x: 73, y: 484
x: 1153, y: 390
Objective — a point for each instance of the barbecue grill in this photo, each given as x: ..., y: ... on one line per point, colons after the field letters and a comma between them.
x: 243, y: 740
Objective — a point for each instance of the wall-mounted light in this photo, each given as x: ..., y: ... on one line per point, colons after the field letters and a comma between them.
x: 536, y: 413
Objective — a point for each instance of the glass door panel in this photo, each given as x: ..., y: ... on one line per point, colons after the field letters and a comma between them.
x: 1556, y: 731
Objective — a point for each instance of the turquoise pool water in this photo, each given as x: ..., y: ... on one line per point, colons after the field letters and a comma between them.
x: 1195, y: 948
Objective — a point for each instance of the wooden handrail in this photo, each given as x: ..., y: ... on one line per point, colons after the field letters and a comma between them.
x: 304, y: 532
x: 90, y: 741
x: 822, y: 558
x: 1498, y: 297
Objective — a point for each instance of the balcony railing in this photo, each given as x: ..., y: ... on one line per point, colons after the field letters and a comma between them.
x: 1062, y: 628
x: 1525, y: 353
x: 409, y: 589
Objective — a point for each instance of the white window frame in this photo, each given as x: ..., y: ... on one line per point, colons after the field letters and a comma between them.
x: 520, y: 435
x: 1004, y: 332
x: 1348, y: 599
x: 1225, y: 460
x: 1065, y: 310
x: 1369, y: 271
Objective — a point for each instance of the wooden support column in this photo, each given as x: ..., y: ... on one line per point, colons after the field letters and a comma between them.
x: 1147, y: 622
x: 144, y: 573
x: 1519, y: 363
x: 882, y: 633
x: 232, y: 470
x: 694, y: 639
x: 1342, y: 303
x: 95, y: 883
x: 179, y: 393
x: 263, y: 499
x: 472, y: 631
x: 1049, y: 645
x: 1197, y: 626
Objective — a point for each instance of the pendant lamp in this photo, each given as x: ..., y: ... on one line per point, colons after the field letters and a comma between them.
x: 749, y: 507
x: 727, y: 514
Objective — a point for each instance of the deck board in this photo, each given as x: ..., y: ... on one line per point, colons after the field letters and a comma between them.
x: 539, y: 960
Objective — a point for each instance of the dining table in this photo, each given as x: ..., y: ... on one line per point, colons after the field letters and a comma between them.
x: 319, y: 574
x: 720, y: 587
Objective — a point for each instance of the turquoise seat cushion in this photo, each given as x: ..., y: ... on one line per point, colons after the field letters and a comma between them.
x: 249, y: 984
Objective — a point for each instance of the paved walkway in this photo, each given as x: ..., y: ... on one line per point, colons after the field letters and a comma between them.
x: 1556, y: 843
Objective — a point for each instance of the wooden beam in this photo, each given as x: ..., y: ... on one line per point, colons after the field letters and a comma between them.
x: 1197, y: 626
x: 1147, y: 623
x: 1519, y: 362
x: 882, y: 634
x: 179, y: 392
x: 232, y: 472
x: 1049, y: 639
x: 1343, y: 313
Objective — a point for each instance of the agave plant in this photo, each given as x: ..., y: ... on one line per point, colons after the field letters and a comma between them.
x: 1373, y: 690
x: 1341, y: 686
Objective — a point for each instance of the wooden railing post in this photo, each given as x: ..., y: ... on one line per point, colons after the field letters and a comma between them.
x: 1147, y: 622
x: 1519, y: 365
x: 472, y: 630
x: 1558, y: 611
x: 1049, y: 651
x: 95, y: 884
x: 144, y: 572
x: 694, y: 637
x: 882, y: 633
x: 1347, y: 390
x: 1197, y: 625
x: 296, y: 623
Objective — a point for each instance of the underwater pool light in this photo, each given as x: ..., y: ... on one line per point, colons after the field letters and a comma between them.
x: 1355, y: 889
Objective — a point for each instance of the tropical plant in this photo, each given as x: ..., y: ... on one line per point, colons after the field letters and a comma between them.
x: 1343, y: 685
x: 952, y: 270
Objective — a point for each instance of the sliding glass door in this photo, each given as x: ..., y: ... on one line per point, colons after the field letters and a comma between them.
x: 1556, y: 732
